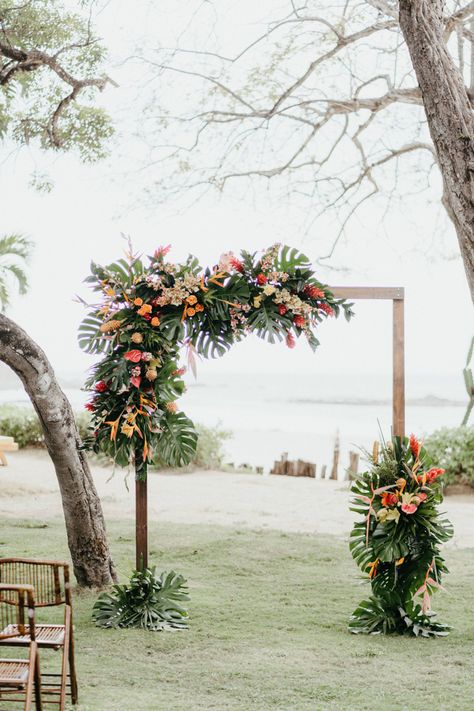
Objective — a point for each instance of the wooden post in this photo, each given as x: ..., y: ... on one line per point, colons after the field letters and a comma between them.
x: 399, y: 366
x: 141, y: 514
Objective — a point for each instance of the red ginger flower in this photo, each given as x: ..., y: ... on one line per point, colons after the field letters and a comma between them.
x: 414, y: 446
x: 261, y: 279
x: 134, y: 356
x: 237, y: 265
x: 313, y: 292
x: 101, y: 386
x: 290, y: 340
x: 162, y: 251
x: 326, y: 308
x: 299, y: 321
x: 282, y: 309
x: 89, y: 406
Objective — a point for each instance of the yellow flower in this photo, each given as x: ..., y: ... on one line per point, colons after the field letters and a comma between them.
x: 257, y: 301
x: 388, y: 515
x: 268, y: 290
x: 137, y: 337
x: 127, y: 429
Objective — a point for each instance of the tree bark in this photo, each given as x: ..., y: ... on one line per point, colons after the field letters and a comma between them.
x: 93, y: 565
x: 449, y: 114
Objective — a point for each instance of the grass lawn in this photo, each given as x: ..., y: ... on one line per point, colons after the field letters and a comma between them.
x: 268, y: 629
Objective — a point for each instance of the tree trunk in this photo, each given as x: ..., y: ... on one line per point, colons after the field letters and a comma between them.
x: 449, y: 114
x: 93, y: 565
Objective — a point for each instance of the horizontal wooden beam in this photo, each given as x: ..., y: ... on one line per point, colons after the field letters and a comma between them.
x: 369, y: 292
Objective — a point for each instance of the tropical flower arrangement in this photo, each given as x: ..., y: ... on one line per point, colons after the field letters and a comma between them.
x: 397, y: 545
x: 148, y: 311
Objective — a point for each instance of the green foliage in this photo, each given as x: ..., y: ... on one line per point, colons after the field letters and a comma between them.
x: 49, y: 99
x: 152, y: 602
x: 23, y: 425
x: 398, y: 542
x: 210, y: 450
x: 453, y: 449
x: 469, y: 383
x: 147, y: 313
x: 14, y: 250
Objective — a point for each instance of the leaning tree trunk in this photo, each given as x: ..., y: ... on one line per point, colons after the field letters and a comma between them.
x: 449, y: 114
x: 93, y: 565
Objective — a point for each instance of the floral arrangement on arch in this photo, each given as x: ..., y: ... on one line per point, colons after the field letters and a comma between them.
x: 149, y: 311
x: 397, y: 545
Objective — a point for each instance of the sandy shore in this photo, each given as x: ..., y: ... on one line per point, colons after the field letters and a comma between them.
x: 28, y: 488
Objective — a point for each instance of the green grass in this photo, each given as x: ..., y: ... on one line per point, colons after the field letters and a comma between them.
x: 268, y: 629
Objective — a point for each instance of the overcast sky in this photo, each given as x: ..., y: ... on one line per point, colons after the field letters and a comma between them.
x: 83, y: 217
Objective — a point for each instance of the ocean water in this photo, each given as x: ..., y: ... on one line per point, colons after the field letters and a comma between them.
x: 302, y: 414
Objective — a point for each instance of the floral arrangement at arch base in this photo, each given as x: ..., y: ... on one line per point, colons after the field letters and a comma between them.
x: 397, y: 545
x: 148, y: 311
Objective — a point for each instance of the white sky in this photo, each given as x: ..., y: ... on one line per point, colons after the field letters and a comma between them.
x: 83, y: 217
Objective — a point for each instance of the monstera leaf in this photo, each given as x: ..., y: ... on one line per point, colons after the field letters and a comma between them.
x: 177, y: 442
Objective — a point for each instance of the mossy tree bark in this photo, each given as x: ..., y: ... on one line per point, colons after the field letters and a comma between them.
x: 449, y: 114
x: 92, y: 562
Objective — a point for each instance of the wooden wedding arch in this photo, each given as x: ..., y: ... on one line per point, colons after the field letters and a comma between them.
x: 394, y: 294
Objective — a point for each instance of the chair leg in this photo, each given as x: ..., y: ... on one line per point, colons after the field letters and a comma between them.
x: 37, y: 676
x: 31, y: 675
x: 72, y: 669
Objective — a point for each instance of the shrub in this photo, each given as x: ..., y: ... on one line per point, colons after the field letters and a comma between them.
x: 23, y: 425
x: 453, y: 449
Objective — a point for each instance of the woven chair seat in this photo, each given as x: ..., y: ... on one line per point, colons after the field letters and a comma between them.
x: 46, y: 635
x: 13, y: 672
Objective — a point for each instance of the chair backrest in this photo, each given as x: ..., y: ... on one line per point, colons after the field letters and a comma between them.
x: 50, y: 579
x: 17, y: 611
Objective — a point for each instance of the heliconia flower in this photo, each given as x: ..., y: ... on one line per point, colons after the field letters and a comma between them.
x: 89, y: 406
x: 282, y: 309
x: 409, y: 508
x: 101, y: 386
x: 237, y: 265
x: 261, y: 279
x: 414, y: 446
x: 162, y: 251
x: 299, y: 321
x: 290, y: 340
x: 136, y: 380
x: 134, y: 356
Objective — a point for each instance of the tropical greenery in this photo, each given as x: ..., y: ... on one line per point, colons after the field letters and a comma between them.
x: 453, y: 449
x: 148, y: 312
x: 152, y: 602
x: 397, y: 545
x: 267, y: 629
x: 14, y: 250
x: 469, y: 383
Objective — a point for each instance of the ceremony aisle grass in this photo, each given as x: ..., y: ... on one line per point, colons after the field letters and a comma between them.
x: 268, y: 628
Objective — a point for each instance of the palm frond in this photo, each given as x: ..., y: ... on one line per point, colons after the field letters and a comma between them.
x: 15, y: 245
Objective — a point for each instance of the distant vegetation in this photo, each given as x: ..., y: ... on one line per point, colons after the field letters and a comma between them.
x: 23, y: 425
x: 453, y: 449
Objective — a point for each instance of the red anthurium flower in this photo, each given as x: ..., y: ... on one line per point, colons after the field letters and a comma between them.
x: 433, y: 474
x: 290, y: 340
x: 414, y: 446
x: 422, y: 496
x: 101, y: 386
x: 389, y: 499
x: 261, y: 279
x: 133, y: 356
x: 409, y: 508
x: 136, y: 380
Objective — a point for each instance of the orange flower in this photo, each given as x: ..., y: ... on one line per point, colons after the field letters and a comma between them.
x: 414, y: 446
x: 401, y: 483
x: 155, y: 321
x: 191, y: 312
x: 137, y: 337
x: 144, y: 310
x: 191, y: 299
x: 389, y: 499
x: 199, y: 307
x: 138, y: 301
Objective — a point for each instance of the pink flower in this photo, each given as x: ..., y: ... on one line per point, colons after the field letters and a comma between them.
x: 422, y: 496
x: 136, y: 380
x: 290, y: 340
x: 133, y: 356
x: 409, y: 508
x: 162, y: 251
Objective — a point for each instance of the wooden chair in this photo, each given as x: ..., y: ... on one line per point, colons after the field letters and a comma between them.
x: 7, y: 444
x: 19, y: 676
x: 50, y: 580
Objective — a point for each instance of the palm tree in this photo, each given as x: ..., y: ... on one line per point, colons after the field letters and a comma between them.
x: 14, y: 251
